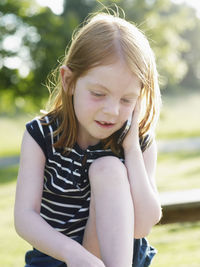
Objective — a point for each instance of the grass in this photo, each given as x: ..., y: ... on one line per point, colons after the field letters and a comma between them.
x: 179, y: 116
x: 11, y: 133
x: 8, y: 175
x: 12, y: 247
x: 178, y: 171
x: 177, y: 245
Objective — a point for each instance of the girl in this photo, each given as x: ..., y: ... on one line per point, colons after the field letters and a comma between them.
x: 83, y: 198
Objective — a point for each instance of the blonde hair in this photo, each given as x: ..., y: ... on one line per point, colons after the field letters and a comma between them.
x: 102, y: 40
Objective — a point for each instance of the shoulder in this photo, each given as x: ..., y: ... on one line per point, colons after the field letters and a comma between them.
x: 30, y: 148
x: 41, y: 130
x: 39, y: 124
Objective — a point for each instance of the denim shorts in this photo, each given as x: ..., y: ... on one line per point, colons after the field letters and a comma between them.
x: 143, y: 255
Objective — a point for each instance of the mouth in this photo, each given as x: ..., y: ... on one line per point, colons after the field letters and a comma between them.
x: 104, y: 124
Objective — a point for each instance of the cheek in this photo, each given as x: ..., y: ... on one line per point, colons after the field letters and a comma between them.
x: 84, y: 108
x: 126, y: 112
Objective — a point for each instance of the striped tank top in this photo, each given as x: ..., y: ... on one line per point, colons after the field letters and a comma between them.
x: 66, y: 189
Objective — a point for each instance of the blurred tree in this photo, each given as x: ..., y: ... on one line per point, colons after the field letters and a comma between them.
x: 192, y: 78
x: 32, y: 39
x: 162, y: 22
x: 42, y: 37
x: 18, y: 40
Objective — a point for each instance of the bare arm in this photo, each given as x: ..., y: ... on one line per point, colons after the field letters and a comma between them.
x: 28, y: 222
x: 141, y: 169
x: 141, y: 172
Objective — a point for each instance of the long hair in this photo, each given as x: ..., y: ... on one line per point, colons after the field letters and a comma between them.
x: 103, y: 39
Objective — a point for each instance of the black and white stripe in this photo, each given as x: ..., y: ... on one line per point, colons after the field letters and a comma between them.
x: 66, y: 191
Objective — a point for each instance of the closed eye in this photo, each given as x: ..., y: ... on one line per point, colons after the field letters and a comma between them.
x: 127, y: 100
x: 97, y: 94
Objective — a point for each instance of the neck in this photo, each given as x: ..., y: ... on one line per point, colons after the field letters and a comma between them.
x: 84, y: 144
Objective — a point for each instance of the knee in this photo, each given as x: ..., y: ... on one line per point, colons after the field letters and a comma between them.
x: 106, y: 165
x: 107, y: 170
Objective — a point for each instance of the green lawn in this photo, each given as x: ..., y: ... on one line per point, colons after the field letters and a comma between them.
x: 12, y: 247
x: 11, y: 133
x: 178, y: 171
x: 177, y: 244
x: 179, y: 116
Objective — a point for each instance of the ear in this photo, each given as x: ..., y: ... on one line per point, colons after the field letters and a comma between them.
x: 66, y: 74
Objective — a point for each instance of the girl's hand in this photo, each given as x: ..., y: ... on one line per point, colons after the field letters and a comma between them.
x: 131, y: 140
x: 84, y: 258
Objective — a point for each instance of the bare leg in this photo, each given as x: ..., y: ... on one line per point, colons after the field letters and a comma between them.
x: 111, y: 220
x: 90, y: 239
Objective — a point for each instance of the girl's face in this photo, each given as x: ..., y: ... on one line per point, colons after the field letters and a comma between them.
x: 104, y: 99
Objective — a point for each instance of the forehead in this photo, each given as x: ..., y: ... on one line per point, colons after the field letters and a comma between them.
x: 114, y: 77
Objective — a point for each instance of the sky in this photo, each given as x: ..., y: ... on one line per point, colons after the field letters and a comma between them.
x: 57, y: 5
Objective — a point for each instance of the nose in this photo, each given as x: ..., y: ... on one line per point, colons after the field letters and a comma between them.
x: 111, y: 108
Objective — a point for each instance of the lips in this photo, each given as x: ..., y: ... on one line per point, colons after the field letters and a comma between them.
x: 105, y: 124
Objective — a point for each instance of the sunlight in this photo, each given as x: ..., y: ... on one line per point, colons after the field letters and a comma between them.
x: 55, y: 5
x: 192, y: 3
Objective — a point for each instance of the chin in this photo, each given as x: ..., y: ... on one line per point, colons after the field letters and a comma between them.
x: 104, y: 137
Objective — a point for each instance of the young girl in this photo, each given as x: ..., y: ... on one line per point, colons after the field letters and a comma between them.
x: 83, y: 198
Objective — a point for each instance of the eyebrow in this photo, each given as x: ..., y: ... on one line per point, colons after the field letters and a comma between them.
x: 105, y: 88
x: 98, y: 85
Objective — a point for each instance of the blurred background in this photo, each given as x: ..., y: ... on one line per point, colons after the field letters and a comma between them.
x: 33, y: 38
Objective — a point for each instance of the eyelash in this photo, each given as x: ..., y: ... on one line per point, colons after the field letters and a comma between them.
x: 127, y: 101
x: 97, y: 94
